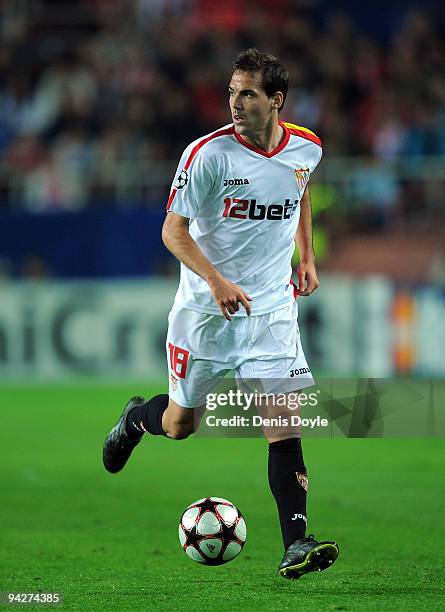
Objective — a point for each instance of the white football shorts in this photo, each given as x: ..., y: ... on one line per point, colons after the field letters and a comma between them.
x: 203, y: 348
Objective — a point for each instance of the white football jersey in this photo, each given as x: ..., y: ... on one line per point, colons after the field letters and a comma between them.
x: 244, y: 207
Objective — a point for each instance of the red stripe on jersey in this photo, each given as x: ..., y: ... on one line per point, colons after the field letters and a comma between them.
x: 193, y: 153
x: 277, y: 149
x: 170, y: 199
x: 201, y: 143
x: 308, y: 135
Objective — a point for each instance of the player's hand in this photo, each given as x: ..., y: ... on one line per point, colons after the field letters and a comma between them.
x: 307, y: 278
x: 229, y: 296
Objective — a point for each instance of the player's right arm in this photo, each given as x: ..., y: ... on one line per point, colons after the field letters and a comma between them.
x: 177, y: 239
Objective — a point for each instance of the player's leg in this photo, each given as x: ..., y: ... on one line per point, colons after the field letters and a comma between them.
x: 193, y: 374
x: 273, y: 370
x: 278, y: 364
x: 159, y: 416
x: 163, y: 416
x: 287, y: 474
x: 288, y: 481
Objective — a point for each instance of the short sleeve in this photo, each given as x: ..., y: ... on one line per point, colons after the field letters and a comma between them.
x: 191, y: 185
x: 319, y: 156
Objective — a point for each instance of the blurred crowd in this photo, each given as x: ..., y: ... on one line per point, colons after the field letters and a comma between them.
x: 98, y: 99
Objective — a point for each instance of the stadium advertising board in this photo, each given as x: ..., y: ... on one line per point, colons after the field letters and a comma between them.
x: 55, y: 330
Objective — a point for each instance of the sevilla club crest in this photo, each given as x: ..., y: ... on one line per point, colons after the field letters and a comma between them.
x: 303, y: 480
x: 302, y: 177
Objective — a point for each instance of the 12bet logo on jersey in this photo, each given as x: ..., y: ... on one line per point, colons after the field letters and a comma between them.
x: 236, y: 208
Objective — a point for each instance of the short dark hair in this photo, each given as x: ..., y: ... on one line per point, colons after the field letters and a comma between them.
x: 274, y: 75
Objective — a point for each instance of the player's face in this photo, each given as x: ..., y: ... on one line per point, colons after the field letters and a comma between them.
x: 252, y: 110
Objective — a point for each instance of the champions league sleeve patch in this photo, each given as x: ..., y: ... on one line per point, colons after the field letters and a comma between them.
x: 182, y: 180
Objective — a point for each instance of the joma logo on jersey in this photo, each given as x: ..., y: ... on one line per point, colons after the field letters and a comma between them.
x: 232, y: 182
x: 249, y: 209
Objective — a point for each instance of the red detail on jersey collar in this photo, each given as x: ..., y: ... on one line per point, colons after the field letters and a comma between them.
x: 277, y: 149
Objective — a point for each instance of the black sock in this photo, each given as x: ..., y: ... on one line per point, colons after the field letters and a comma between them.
x: 288, y: 483
x: 147, y: 417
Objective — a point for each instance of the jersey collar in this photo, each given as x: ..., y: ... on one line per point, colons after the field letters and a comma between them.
x: 277, y: 149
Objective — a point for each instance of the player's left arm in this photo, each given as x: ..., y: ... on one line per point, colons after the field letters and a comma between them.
x: 307, y: 273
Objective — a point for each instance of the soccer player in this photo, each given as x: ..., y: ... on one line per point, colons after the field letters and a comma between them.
x: 238, y: 204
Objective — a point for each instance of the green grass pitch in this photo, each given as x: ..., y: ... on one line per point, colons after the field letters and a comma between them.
x: 109, y: 542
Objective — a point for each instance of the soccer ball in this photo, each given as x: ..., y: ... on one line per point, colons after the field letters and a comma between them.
x: 212, y: 531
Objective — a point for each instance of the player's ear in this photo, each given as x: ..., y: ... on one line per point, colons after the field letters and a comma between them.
x: 277, y: 100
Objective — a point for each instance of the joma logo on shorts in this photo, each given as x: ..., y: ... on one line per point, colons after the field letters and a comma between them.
x: 299, y: 371
x: 249, y: 209
x: 232, y: 182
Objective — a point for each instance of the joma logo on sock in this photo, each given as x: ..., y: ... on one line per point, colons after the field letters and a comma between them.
x: 299, y: 516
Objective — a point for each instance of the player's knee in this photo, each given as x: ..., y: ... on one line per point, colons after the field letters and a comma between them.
x: 180, y: 431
